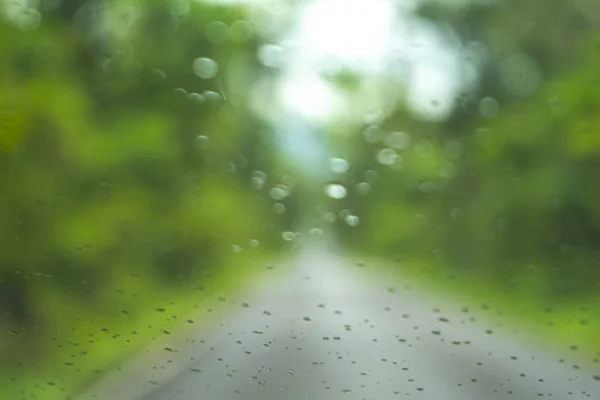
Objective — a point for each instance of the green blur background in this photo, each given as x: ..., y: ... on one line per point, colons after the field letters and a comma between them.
x: 498, y: 205
x: 132, y: 189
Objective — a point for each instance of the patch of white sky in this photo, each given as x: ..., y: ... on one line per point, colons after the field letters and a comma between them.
x: 384, y: 43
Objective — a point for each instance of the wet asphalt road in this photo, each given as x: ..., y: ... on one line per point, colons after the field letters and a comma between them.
x: 324, y: 330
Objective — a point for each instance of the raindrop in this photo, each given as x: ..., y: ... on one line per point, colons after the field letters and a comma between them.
x: 371, y: 176
x: 316, y: 231
x: 28, y: 18
x: 372, y: 134
x: 335, y: 191
x: 205, y: 68
x: 352, y: 220
x: 278, y: 208
x: 387, y: 156
x: 339, y: 165
x: 489, y: 107
x: 196, y: 97
x: 363, y: 188
x: 373, y: 116
x: 180, y: 92
x: 217, y: 32
x: 279, y: 192
x: 398, y: 140
x: 271, y: 55
x: 329, y: 217
x: 240, y: 31
x: 212, y: 96
x: 288, y: 236
x: 256, y: 183
x: 259, y: 175
x: 203, y: 141
x: 159, y: 73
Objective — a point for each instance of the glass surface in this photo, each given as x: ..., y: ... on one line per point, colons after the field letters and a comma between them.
x: 317, y: 199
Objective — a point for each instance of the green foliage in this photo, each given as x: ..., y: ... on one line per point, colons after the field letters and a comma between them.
x: 524, y: 191
x: 510, y: 201
x: 125, y: 178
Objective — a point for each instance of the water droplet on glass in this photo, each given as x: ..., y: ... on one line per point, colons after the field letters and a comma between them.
x: 335, y: 191
x: 398, y: 140
x: 316, y: 231
x: 288, y: 236
x: 363, y: 188
x: 387, y: 156
x: 373, y: 116
x: 180, y: 92
x: 352, y: 220
x: 196, y: 97
x: 279, y: 192
x: 211, y: 96
x: 278, y: 208
x: 338, y: 165
x: 217, y: 32
x: 258, y: 180
x: 489, y: 107
x: 240, y: 31
x: 372, y: 134
x: 205, y: 68
x: 271, y: 55
x: 203, y: 141
x: 256, y: 183
x: 159, y: 73
x: 25, y: 18
x: 371, y: 176
x: 344, y: 213
x: 329, y: 217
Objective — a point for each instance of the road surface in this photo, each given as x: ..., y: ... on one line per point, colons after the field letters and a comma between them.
x: 325, y: 329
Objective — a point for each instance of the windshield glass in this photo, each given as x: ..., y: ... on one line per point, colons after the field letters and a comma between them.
x: 299, y: 199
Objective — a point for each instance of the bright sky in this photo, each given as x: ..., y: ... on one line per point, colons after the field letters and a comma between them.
x: 376, y: 38
x: 402, y: 61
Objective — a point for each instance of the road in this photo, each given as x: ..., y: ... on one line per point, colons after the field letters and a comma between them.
x: 325, y: 329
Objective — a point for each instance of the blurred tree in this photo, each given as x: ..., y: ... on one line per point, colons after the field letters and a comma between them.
x: 505, y: 188
x: 127, y: 152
